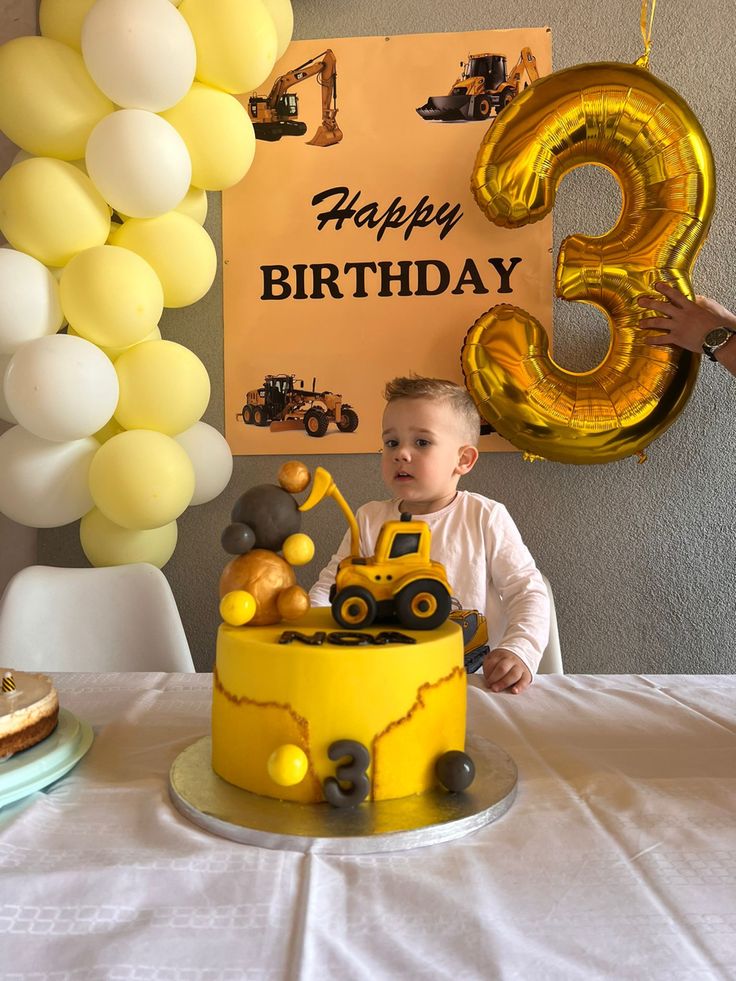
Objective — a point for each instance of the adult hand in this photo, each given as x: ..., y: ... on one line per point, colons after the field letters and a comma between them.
x: 685, y: 322
x: 505, y: 671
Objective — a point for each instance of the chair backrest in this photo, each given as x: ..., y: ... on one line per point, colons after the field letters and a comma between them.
x: 551, y: 662
x: 121, y: 618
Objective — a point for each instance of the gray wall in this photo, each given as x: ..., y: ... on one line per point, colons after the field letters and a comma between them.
x: 640, y: 556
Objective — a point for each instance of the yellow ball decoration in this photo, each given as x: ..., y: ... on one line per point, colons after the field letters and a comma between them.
x: 48, y: 102
x: 51, y: 210
x: 236, y: 42
x: 298, y: 549
x: 163, y: 386
x: 62, y: 20
x: 141, y: 479
x: 218, y: 133
x: 111, y: 296
x: 105, y: 543
x: 179, y: 251
x: 237, y: 607
x: 287, y: 765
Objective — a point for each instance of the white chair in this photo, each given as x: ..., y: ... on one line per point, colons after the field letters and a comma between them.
x: 551, y: 662
x: 121, y: 618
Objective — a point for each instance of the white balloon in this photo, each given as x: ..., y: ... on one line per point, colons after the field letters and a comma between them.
x: 29, y: 300
x: 138, y: 163
x: 42, y: 484
x: 140, y: 53
x: 211, y: 458
x: 5, y: 412
x: 61, y: 387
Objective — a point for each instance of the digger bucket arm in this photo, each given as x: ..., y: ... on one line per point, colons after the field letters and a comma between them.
x: 323, y: 486
x: 320, y: 65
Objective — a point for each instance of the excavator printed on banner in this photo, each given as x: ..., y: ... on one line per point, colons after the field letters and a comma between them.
x: 483, y: 88
x: 277, y: 114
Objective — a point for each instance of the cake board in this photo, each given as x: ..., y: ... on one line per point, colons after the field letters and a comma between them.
x: 381, y: 826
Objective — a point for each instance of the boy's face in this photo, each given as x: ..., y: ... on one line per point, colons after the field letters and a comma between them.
x: 424, y: 453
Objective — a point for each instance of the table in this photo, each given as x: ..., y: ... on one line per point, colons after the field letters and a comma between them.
x: 617, y: 859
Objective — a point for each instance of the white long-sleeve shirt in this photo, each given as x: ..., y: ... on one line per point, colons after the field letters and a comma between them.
x: 488, y: 566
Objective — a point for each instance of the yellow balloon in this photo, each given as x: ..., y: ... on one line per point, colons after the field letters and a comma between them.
x: 237, y: 607
x: 236, y: 42
x: 51, y: 210
x: 626, y: 120
x: 113, y: 354
x: 298, y: 549
x: 194, y: 204
x: 111, y: 296
x: 105, y: 543
x: 283, y: 18
x: 110, y: 429
x: 218, y: 133
x: 163, y: 386
x: 179, y: 251
x: 141, y: 479
x: 48, y: 102
x: 287, y: 765
x: 62, y: 20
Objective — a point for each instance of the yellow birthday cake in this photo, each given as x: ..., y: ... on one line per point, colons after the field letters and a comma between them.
x: 404, y: 702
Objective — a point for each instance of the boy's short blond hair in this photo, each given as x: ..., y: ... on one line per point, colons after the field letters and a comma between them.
x: 439, y: 389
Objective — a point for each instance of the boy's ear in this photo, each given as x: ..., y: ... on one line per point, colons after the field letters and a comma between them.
x: 466, y: 460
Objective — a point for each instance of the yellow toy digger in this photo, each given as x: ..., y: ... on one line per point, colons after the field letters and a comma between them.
x: 399, y: 582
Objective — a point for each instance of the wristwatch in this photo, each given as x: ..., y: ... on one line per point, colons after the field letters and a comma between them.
x: 715, y: 339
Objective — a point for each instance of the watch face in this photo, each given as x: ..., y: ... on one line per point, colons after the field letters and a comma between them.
x: 717, y: 336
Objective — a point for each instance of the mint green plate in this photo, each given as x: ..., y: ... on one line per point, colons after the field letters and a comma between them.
x: 42, y: 764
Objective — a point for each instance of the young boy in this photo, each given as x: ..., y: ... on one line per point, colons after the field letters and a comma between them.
x: 430, y: 434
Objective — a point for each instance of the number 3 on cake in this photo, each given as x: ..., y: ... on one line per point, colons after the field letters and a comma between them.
x: 353, y: 772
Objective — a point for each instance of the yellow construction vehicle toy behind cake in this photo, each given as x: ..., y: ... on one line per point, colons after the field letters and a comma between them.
x: 399, y: 582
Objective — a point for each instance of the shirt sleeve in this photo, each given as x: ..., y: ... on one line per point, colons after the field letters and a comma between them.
x: 319, y: 594
x: 522, y: 591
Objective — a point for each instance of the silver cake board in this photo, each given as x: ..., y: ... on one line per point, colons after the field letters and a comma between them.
x: 381, y: 826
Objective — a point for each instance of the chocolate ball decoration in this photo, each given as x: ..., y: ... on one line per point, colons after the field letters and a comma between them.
x: 455, y: 770
x: 238, y: 539
x: 264, y: 575
x: 294, y: 476
x: 271, y: 512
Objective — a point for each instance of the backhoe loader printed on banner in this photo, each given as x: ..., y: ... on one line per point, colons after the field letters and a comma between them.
x: 483, y: 88
x: 277, y: 114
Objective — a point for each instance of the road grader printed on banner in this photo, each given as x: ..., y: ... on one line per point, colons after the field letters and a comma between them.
x: 283, y: 402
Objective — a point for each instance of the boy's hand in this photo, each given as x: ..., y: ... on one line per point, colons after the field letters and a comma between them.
x: 504, y: 671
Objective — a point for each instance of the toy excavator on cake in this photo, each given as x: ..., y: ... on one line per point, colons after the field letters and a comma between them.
x: 398, y: 582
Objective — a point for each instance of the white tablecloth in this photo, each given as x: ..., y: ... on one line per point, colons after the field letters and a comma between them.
x: 617, y: 859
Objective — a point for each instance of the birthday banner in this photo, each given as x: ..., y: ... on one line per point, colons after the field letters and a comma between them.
x: 353, y: 249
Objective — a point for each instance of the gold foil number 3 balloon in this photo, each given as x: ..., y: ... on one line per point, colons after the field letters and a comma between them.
x: 621, y: 118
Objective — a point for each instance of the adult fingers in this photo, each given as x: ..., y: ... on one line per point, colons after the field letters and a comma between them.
x: 675, y: 296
